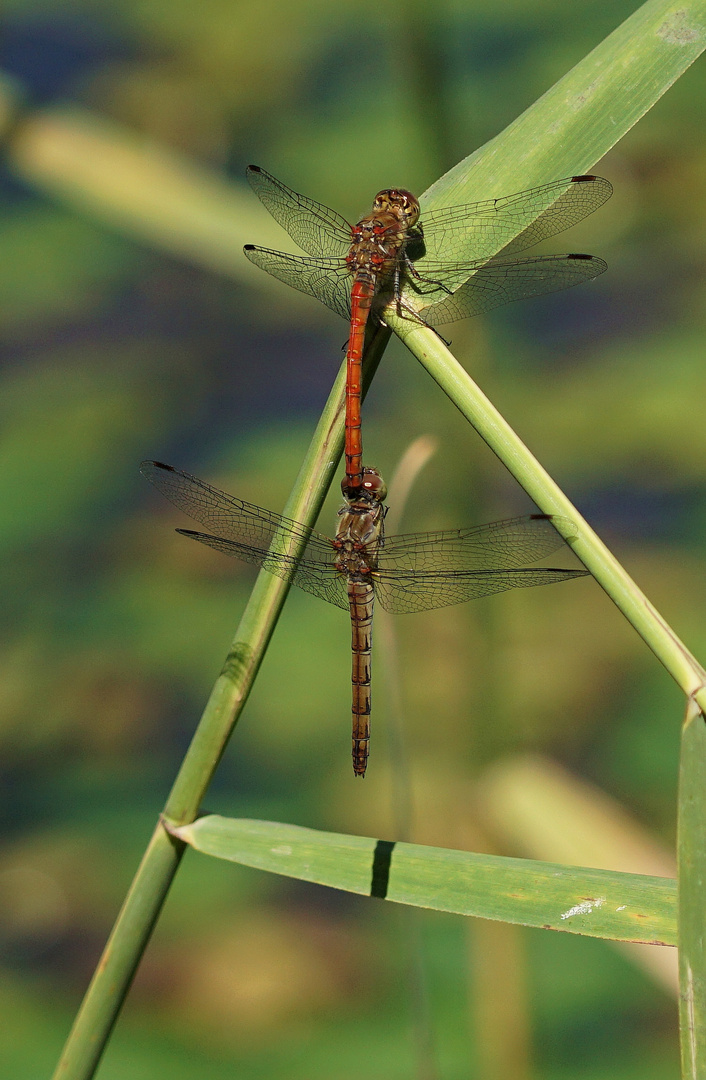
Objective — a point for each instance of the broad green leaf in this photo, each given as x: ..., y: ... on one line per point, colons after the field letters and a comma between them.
x: 597, y: 903
x: 576, y: 122
x: 587, y: 111
x: 692, y: 889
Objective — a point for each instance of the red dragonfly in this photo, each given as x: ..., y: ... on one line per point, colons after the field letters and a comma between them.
x: 407, y: 573
x: 446, y: 270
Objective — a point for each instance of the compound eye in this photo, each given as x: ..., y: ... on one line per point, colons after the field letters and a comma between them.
x: 410, y: 204
x: 374, y: 484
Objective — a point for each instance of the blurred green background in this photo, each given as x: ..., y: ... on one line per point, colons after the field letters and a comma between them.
x: 115, y: 627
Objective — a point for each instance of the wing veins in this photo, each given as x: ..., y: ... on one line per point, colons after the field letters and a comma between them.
x: 402, y: 593
x: 240, y: 522
x: 316, y: 228
x: 318, y: 578
x: 513, y: 222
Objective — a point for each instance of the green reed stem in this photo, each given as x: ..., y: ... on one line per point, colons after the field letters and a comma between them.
x: 143, y: 903
x: 503, y: 441
x: 691, y: 848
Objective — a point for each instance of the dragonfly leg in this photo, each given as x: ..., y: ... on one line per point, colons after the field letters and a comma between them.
x: 411, y: 268
x: 423, y: 285
x: 403, y: 309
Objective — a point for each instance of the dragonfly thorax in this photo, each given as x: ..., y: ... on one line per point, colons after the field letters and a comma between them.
x: 378, y: 237
x: 376, y: 242
x: 357, y: 541
x: 360, y: 527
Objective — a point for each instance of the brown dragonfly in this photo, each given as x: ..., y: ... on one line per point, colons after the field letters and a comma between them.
x: 443, y: 268
x: 407, y: 573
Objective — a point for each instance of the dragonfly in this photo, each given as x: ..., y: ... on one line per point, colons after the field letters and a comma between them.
x: 436, y: 271
x: 411, y: 572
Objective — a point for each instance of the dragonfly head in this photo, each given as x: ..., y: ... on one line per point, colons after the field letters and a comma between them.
x: 402, y: 204
x: 372, y: 490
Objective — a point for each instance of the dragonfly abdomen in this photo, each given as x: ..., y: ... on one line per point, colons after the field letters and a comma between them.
x: 361, y: 598
x: 372, y: 260
x: 361, y: 301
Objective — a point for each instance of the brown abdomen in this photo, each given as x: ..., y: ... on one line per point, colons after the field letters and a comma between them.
x: 361, y: 596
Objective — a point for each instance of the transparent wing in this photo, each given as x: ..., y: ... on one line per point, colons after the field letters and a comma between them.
x: 316, y: 228
x: 500, y: 282
x: 421, y: 571
x: 249, y: 528
x: 406, y: 593
x: 415, y: 572
x: 481, y: 230
x: 328, y: 280
x: 500, y: 544
x: 320, y: 580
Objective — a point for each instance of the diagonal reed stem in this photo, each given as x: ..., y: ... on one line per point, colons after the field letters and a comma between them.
x: 143, y: 903
x: 458, y: 385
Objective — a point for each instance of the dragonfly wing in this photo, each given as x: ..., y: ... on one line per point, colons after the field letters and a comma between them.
x: 502, y: 281
x: 328, y: 584
x: 320, y: 579
x: 496, y: 546
x: 401, y: 592
x: 421, y: 571
x: 316, y: 228
x: 584, y: 195
x: 481, y: 230
x: 251, y: 527
x: 328, y: 280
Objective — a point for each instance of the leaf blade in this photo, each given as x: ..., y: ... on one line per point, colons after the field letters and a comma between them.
x: 596, y: 903
x: 587, y: 111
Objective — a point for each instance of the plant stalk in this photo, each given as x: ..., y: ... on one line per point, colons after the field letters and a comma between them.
x: 470, y: 400
x: 691, y: 847
x: 143, y: 903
